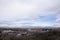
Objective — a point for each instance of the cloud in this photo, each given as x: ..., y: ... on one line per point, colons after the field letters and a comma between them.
x: 30, y: 10
x: 57, y: 23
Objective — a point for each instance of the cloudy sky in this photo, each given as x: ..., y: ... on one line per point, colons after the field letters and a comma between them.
x: 19, y: 13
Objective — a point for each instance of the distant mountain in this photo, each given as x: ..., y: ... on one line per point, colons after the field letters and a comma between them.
x: 29, y: 27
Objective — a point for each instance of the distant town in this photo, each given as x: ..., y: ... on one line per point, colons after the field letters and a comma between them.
x: 22, y: 33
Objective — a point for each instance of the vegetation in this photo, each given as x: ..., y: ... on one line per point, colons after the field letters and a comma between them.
x: 51, y: 35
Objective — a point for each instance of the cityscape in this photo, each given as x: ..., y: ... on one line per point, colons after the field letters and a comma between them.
x: 29, y: 19
x: 29, y: 33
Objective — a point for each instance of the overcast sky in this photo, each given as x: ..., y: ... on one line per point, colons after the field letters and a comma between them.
x: 18, y: 13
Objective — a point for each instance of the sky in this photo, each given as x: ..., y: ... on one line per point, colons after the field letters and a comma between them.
x: 21, y: 13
